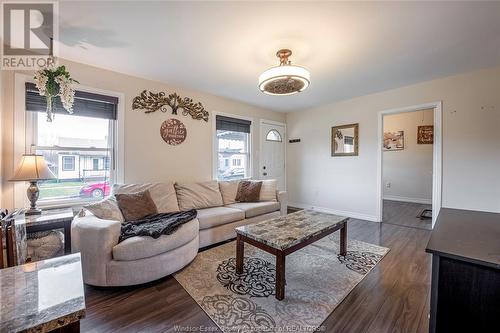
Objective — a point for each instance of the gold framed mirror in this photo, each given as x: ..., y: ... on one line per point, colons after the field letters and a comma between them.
x: 345, y: 140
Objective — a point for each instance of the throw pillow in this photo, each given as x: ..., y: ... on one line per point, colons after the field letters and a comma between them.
x: 135, y: 206
x: 106, y: 209
x: 268, y: 190
x: 228, y: 189
x: 248, y: 191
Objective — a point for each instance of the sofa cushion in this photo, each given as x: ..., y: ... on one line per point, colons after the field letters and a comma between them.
x: 140, y: 247
x: 163, y: 194
x: 268, y: 190
x: 136, y: 206
x: 198, y: 195
x: 211, y: 217
x: 252, y: 209
x: 106, y: 209
x: 229, y: 189
x: 248, y: 191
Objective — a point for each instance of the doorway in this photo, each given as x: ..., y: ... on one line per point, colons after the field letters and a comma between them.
x: 272, y: 152
x: 409, y: 165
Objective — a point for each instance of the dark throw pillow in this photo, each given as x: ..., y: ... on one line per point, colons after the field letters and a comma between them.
x: 135, y: 206
x: 248, y: 191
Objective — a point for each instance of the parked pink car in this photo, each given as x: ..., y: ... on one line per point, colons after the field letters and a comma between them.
x: 96, y: 190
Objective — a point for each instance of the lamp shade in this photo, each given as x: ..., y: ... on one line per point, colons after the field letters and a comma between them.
x: 32, y: 167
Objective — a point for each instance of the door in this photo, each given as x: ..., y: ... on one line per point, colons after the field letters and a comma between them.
x: 272, y: 155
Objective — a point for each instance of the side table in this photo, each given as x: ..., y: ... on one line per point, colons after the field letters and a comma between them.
x: 22, y: 225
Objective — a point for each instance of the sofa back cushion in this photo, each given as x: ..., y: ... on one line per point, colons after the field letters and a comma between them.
x: 229, y: 189
x: 268, y: 190
x: 163, y: 194
x: 136, y: 206
x: 198, y: 195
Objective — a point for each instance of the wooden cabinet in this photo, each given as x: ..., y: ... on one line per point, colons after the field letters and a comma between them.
x: 465, y: 291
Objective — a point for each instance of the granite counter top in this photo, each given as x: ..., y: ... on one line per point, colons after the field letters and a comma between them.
x: 286, y: 231
x: 41, y: 296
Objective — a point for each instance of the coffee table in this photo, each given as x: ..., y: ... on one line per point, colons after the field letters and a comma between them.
x: 286, y: 234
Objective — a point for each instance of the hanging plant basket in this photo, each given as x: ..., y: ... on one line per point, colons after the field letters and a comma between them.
x: 53, y: 83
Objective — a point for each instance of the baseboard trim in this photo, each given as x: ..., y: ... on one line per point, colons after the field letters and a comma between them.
x: 354, y: 215
x: 408, y: 199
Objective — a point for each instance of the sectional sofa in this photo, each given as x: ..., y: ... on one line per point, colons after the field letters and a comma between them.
x: 137, y: 260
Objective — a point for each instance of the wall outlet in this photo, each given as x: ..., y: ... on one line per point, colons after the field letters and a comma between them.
x: 388, y: 185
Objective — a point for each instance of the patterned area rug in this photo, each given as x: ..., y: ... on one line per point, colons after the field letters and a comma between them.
x: 317, y: 280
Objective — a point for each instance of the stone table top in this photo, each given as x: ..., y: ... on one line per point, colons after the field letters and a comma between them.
x: 286, y: 231
x: 42, y: 296
x: 48, y: 216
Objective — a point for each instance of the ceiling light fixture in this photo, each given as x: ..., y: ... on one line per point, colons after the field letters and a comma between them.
x: 285, y: 79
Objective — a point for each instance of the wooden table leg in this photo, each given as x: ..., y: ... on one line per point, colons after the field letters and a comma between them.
x: 343, y: 240
x: 280, y: 276
x: 240, y: 251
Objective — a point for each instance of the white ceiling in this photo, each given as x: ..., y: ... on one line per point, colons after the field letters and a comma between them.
x: 350, y: 48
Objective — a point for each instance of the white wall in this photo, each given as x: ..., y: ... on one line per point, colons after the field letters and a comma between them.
x: 408, y: 171
x: 147, y: 156
x: 471, y: 146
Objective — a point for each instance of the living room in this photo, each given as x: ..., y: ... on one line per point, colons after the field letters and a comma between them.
x: 222, y: 166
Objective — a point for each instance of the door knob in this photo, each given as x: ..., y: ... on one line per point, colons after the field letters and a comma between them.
x: 265, y: 174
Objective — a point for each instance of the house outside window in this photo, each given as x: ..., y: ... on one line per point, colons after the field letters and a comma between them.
x: 68, y: 163
x: 76, y: 147
x: 233, y: 148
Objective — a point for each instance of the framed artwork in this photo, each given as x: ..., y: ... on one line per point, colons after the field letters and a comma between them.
x: 425, y: 135
x: 345, y: 140
x: 394, y: 140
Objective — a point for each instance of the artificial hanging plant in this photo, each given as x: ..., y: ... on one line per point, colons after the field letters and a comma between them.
x: 56, y: 82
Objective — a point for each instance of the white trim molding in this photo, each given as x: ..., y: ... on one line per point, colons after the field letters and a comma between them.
x: 354, y: 215
x: 424, y: 201
x: 436, y: 160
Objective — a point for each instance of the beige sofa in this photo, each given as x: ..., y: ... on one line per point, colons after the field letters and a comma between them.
x: 136, y: 260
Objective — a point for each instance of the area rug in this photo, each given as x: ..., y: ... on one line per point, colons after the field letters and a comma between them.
x: 317, y: 280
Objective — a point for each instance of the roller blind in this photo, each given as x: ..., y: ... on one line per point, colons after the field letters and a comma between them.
x: 86, y: 104
x: 232, y: 124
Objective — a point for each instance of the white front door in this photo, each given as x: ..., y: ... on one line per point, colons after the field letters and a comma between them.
x: 272, y: 155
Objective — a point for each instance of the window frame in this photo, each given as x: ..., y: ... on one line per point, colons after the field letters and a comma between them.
x: 23, y: 134
x: 31, y: 146
x: 215, y: 148
x: 63, y: 161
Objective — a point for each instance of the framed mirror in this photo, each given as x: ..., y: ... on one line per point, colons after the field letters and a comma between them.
x: 345, y: 140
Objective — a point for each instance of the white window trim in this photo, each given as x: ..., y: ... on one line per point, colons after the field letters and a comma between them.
x: 215, y: 151
x: 21, y: 132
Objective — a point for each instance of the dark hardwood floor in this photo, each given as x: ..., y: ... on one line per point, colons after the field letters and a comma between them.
x: 393, y: 297
x: 405, y: 214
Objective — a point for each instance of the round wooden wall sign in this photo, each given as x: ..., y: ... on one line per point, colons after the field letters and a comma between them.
x: 173, y: 132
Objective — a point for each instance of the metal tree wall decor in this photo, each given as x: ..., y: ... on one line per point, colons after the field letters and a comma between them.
x: 152, y: 102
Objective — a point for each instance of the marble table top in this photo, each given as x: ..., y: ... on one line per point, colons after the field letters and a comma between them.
x: 286, y: 231
x: 48, y: 216
x: 42, y: 296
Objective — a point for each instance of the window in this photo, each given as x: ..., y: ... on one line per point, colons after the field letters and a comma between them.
x: 233, y: 143
x: 273, y: 135
x: 68, y: 163
x: 78, y: 147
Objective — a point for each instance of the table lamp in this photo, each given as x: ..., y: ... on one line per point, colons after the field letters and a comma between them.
x: 32, y: 168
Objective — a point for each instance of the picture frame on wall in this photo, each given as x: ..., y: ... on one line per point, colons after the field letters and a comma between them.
x: 394, y: 141
x: 425, y: 135
x: 345, y: 140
